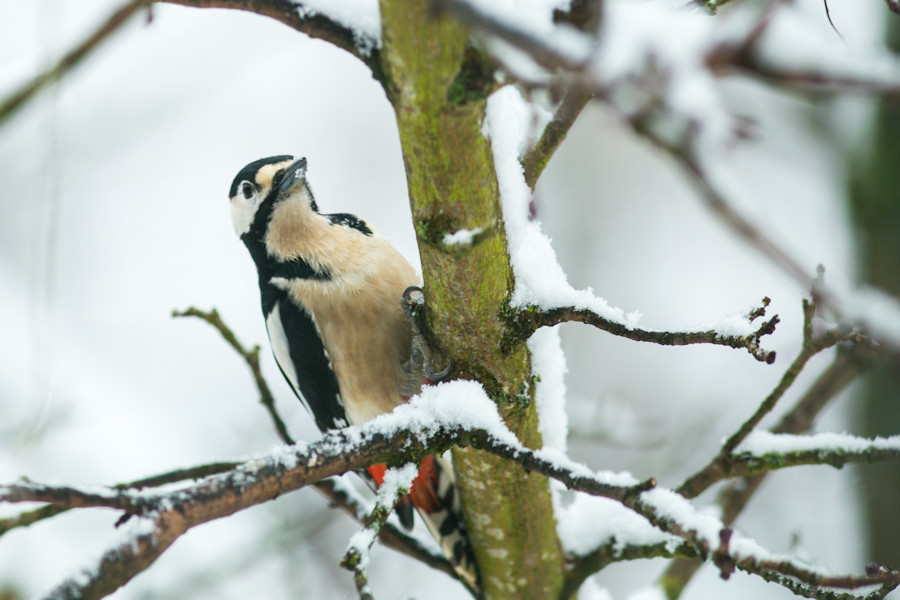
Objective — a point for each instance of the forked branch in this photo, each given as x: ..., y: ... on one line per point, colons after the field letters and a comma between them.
x: 523, y: 322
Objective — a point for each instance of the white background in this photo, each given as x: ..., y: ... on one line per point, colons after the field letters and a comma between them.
x: 113, y: 212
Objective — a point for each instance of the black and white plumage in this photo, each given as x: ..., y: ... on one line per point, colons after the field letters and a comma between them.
x: 331, y: 288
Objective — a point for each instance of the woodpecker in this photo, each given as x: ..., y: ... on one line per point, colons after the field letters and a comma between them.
x: 331, y: 288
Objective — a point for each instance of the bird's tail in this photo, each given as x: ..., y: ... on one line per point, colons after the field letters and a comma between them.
x: 434, y: 495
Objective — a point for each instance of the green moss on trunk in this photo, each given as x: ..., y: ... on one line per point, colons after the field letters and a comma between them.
x: 452, y: 185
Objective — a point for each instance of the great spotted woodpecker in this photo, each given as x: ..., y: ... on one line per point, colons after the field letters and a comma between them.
x: 331, y: 289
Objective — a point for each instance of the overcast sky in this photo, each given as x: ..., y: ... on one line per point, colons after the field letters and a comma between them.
x: 113, y: 212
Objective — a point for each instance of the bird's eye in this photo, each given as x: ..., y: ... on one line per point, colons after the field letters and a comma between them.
x: 248, y: 189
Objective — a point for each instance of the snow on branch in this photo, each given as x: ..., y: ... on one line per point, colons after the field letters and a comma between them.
x: 763, y: 451
x: 453, y: 413
x: 354, y: 30
x: 358, y: 34
x: 338, y: 494
x: 733, y: 331
x: 658, y: 68
x: 397, y: 483
x: 813, y: 343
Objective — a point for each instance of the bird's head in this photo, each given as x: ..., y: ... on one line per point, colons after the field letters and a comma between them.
x: 263, y: 184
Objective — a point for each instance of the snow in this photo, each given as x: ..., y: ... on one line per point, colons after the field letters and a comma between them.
x: 396, y: 483
x: 651, y: 61
x: 462, y: 237
x: 670, y: 505
x: 648, y: 593
x: 548, y: 364
x: 736, y: 325
x: 360, y: 543
x: 590, y: 521
x: 789, y: 43
x: 760, y: 443
x: 540, y: 280
x: 454, y: 404
x: 591, y: 590
x: 361, y: 16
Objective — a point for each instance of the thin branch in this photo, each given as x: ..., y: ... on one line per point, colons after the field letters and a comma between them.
x: 745, y: 464
x: 314, y: 24
x: 266, y: 478
x: 735, y: 496
x: 71, y: 59
x: 554, y: 133
x: 720, y: 466
x: 582, y: 567
x: 178, y: 475
x: 30, y: 517
x: 339, y: 496
x: 292, y: 14
x: 251, y: 357
x: 356, y: 559
x: 523, y: 322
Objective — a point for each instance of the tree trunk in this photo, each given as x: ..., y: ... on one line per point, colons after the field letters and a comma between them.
x: 452, y: 185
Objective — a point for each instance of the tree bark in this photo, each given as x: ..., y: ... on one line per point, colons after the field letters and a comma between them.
x: 452, y: 186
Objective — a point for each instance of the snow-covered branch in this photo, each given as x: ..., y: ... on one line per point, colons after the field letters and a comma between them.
x: 720, y: 466
x: 737, y: 493
x: 293, y: 14
x: 339, y: 495
x: 764, y: 451
x: 397, y: 483
x: 455, y: 413
x: 658, y: 70
x: 553, y: 135
x: 304, y: 19
x: 526, y: 321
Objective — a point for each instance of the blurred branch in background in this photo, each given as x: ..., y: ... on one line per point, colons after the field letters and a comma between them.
x: 338, y: 494
x: 166, y: 515
x: 689, y: 135
x: 10, y: 105
x: 844, y: 369
x: 290, y: 13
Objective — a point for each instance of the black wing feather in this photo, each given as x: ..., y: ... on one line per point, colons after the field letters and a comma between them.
x: 318, y: 386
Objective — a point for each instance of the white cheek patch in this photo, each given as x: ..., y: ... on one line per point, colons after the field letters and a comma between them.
x: 242, y: 213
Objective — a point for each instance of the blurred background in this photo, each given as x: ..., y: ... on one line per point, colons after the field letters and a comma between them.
x: 113, y: 212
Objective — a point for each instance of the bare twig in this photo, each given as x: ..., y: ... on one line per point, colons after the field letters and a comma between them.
x: 720, y: 466
x: 582, y: 567
x: 259, y: 480
x: 251, y: 357
x: 523, y: 322
x: 290, y: 13
x: 113, y: 23
x: 339, y: 496
x: 554, y: 133
x: 735, y: 496
x: 356, y: 558
x: 294, y: 15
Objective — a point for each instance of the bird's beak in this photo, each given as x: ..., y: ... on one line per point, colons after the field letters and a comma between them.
x: 293, y: 175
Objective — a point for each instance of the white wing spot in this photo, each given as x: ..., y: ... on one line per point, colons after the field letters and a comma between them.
x: 281, y: 349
